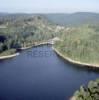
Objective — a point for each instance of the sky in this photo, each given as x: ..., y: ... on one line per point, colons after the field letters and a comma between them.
x: 49, y: 6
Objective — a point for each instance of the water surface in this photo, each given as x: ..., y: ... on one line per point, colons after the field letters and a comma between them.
x: 39, y: 74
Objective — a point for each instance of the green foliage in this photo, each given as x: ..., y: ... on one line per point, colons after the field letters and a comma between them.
x: 1, y: 47
x: 8, y: 52
x: 21, y: 31
x: 81, y: 44
x: 88, y: 93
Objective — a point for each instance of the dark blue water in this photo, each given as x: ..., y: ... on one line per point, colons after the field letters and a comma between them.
x: 39, y: 74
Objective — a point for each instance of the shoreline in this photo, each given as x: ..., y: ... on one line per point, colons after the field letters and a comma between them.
x: 73, y: 98
x: 73, y: 61
x: 34, y: 45
x: 9, y: 56
x: 43, y: 43
x: 23, y: 48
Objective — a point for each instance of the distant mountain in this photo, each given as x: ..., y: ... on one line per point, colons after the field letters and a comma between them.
x: 74, y: 19
x: 61, y: 19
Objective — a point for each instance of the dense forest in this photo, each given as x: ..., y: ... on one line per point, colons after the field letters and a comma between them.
x: 81, y: 44
x: 90, y: 92
x: 78, y: 42
x: 17, y: 31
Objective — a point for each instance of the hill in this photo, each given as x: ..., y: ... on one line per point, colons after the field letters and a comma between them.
x: 81, y: 44
x: 74, y: 19
x: 23, y: 30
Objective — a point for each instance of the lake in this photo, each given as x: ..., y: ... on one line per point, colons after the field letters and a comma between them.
x: 39, y: 74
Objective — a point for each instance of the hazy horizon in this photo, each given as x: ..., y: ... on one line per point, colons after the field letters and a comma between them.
x: 46, y: 6
x: 45, y: 12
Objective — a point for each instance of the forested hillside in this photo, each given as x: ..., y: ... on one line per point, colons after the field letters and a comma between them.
x: 21, y: 30
x: 74, y: 19
x: 81, y: 44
